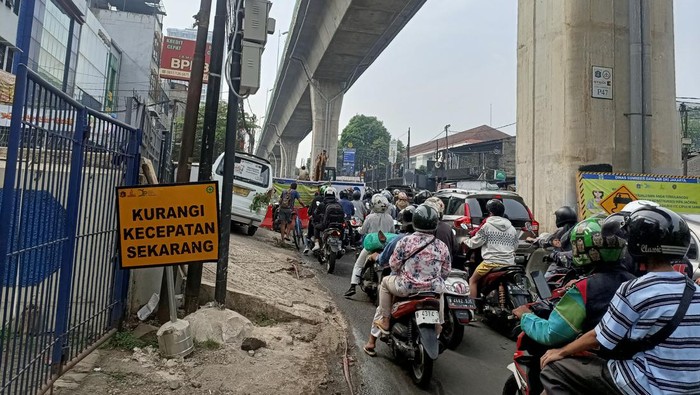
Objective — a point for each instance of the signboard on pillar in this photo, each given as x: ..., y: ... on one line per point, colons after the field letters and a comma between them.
x: 602, y: 83
x: 349, y: 161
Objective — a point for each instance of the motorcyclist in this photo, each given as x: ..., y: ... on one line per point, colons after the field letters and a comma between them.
x: 401, y: 201
x: 315, y: 216
x: 498, y: 240
x: 378, y: 220
x: 420, y: 263
x: 330, y: 212
x: 646, y: 329
x: 348, y: 207
x: 583, y: 305
x: 444, y: 230
x: 565, y: 219
x: 359, y: 205
x: 392, y: 208
x: 406, y: 217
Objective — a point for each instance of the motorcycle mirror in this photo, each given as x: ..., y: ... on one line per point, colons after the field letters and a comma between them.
x: 541, y: 285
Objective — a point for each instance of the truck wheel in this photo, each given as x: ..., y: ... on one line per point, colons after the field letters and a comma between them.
x: 251, y: 230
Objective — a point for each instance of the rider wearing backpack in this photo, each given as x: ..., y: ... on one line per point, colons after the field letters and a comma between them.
x: 332, y: 214
x: 286, y: 204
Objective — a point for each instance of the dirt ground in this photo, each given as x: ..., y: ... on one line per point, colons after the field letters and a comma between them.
x: 306, y: 349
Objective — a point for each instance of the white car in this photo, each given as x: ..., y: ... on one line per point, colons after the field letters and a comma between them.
x: 694, y: 224
x: 252, y: 175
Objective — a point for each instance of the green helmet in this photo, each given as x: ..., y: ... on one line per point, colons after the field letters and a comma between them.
x: 323, y: 189
x: 590, y: 247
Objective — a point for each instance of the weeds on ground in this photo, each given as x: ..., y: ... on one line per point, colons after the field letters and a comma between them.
x: 261, y: 319
x: 127, y: 341
x: 208, y: 345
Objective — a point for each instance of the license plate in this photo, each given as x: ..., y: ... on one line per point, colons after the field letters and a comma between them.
x: 241, y: 191
x: 463, y: 302
x: 427, y: 317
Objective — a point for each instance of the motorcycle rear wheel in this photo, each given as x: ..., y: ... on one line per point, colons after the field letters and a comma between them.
x: 452, y: 331
x: 330, y: 263
x: 422, y: 368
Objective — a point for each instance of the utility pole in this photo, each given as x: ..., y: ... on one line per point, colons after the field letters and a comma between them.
x: 194, y: 271
x: 683, y: 109
x: 408, y: 151
x: 229, y: 161
x: 446, y: 158
x: 194, y: 92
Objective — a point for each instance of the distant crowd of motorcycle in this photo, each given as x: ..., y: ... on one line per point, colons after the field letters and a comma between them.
x: 552, y: 265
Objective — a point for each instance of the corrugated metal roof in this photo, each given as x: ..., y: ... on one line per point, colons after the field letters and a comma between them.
x: 471, y: 136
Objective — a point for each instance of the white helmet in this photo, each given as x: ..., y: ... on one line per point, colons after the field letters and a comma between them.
x: 379, y: 203
x: 436, y: 203
x: 637, y: 204
x: 330, y: 191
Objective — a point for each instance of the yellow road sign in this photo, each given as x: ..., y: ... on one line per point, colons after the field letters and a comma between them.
x: 168, y: 224
x: 617, y: 200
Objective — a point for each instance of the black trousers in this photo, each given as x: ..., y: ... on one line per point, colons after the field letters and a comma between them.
x: 578, y: 375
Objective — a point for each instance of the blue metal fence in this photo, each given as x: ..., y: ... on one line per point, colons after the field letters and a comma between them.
x: 61, y: 289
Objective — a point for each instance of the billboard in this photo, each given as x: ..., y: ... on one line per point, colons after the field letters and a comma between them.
x: 348, y: 161
x: 176, y: 59
x: 607, y: 193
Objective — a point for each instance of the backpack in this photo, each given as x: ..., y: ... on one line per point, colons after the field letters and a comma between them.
x: 286, y: 199
x: 334, y: 214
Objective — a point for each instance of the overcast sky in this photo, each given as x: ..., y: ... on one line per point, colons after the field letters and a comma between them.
x: 454, y: 63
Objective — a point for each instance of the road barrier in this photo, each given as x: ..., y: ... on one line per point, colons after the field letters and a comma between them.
x: 61, y: 290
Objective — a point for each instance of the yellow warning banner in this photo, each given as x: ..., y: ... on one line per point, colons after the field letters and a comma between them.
x: 609, y: 192
x: 168, y: 224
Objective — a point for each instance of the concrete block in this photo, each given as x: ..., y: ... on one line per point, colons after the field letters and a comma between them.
x: 221, y: 326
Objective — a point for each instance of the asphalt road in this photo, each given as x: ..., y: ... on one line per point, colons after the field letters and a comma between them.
x: 477, y: 366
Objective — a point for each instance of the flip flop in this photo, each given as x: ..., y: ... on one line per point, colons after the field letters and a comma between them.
x: 377, y: 324
x: 369, y: 351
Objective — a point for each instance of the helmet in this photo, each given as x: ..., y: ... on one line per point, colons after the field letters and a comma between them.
x: 330, y: 191
x: 425, y: 219
x: 322, y: 188
x: 657, y: 232
x: 389, y: 197
x: 591, y: 247
x: 406, y: 217
x: 614, y: 225
x: 403, y: 196
x: 421, y: 197
x: 396, y: 192
x: 565, y: 216
x: 356, y: 195
x: 379, y: 203
x: 343, y: 194
x: 495, y: 207
x: 637, y: 204
x: 437, y: 204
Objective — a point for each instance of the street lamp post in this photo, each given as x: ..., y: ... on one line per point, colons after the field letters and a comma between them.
x: 279, y: 44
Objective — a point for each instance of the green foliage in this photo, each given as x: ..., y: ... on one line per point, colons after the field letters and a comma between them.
x: 127, y: 341
x: 209, y: 344
x: 370, y: 139
x: 261, y: 200
x: 250, y: 124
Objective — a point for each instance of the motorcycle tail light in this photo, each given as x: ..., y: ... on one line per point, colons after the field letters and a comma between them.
x: 335, y: 233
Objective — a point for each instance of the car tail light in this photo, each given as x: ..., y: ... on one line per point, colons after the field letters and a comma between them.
x: 534, y: 225
x: 466, y: 220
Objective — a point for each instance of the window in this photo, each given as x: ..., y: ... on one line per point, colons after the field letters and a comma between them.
x: 248, y: 171
x: 3, y: 49
x: 9, y: 60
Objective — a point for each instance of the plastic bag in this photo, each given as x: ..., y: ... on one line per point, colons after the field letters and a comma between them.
x: 373, y: 243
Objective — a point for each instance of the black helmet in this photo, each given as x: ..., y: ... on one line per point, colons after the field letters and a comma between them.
x: 421, y: 197
x: 495, y: 207
x: 425, y: 219
x: 356, y: 195
x: 614, y: 225
x: 657, y: 232
x: 406, y: 218
x: 343, y: 194
x: 565, y: 216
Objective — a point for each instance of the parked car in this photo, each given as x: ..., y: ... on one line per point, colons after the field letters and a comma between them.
x: 252, y: 175
x: 469, y: 208
x: 694, y: 225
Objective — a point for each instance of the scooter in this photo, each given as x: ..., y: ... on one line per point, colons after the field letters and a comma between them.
x: 331, y: 247
x: 412, y: 334
x: 459, y: 308
x: 502, y: 290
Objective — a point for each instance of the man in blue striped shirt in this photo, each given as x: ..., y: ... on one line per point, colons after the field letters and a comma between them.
x: 640, y: 308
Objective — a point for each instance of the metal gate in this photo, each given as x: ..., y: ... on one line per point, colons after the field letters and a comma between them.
x: 61, y: 289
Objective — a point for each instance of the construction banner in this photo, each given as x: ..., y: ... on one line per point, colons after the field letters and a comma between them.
x: 608, y: 193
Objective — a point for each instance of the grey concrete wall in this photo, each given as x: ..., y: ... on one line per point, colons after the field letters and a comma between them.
x: 560, y: 126
x: 8, y: 27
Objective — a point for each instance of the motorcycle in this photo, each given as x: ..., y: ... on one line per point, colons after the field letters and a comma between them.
x: 526, y: 359
x: 331, y: 247
x: 459, y: 308
x: 353, y: 236
x: 502, y: 290
x: 372, y: 274
x: 412, y: 335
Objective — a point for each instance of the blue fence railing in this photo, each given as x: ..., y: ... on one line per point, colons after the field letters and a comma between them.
x: 61, y: 289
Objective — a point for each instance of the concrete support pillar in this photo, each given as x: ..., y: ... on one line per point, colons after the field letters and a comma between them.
x: 290, y: 147
x: 560, y: 126
x: 276, y: 162
x: 326, y: 102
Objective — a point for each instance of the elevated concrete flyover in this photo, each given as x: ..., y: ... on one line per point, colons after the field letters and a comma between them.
x: 331, y: 43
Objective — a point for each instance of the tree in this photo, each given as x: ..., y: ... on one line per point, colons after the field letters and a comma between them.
x: 250, y: 124
x: 368, y: 136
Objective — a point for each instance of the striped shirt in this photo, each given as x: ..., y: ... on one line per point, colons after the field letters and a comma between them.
x: 640, y: 308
